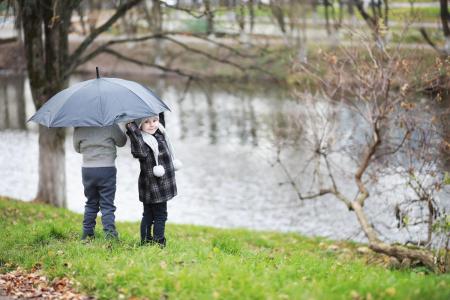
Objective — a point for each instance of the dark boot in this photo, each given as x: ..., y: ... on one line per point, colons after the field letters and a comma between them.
x: 147, y: 241
x: 112, y: 236
x: 87, y: 236
x: 161, y: 242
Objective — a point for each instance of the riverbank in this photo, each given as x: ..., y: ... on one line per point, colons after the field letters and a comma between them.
x: 273, y: 64
x: 202, y: 263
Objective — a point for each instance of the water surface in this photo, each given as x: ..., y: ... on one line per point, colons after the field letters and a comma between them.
x: 226, y: 138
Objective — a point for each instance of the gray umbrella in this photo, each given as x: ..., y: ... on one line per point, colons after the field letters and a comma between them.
x: 99, y: 102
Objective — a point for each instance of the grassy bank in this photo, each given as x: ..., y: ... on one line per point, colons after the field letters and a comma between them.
x: 201, y: 262
x: 419, y: 13
x: 276, y: 61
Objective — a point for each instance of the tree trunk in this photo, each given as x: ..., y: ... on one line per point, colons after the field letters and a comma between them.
x: 445, y: 19
x: 251, y: 12
x: 48, y: 70
x: 371, y: 235
x: 386, y: 12
x: 399, y: 252
x: 157, y: 17
x: 19, y: 88
x: 52, y: 166
x: 209, y: 18
x: 44, y: 62
x: 371, y: 21
x: 375, y: 243
x: 447, y: 45
x: 327, y: 18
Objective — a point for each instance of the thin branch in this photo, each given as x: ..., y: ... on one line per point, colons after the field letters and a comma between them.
x: 321, y: 192
x: 363, y: 192
x: 186, y: 89
x: 224, y: 61
x: 368, y: 18
x: 242, y: 68
x: 189, y: 11
x: 74, y: 57
x: 330, y: 174
x: 222, y: 45
x: 431, y: 43
x: 399, y: 146
x: 142, y: 63
x: 100, y: 49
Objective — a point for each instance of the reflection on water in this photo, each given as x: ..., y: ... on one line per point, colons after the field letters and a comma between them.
x: 218, y: 115
x: 12, y: 103
x: 225, y: 137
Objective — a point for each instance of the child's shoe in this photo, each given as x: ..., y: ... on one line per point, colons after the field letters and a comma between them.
x: 112, y: 236
x: 147, y: 241
x: 161, y: 242
x: 87, y: 236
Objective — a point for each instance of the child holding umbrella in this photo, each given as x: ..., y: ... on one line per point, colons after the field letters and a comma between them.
x: 151, y: 145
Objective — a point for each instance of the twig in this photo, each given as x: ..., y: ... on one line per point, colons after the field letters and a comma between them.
x: 142, y: 63
x: 74, y: 57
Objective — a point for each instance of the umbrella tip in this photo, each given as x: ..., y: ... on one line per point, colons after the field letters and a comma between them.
x: 96, y: 69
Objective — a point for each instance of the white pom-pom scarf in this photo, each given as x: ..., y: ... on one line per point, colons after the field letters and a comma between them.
x: 151, y: 141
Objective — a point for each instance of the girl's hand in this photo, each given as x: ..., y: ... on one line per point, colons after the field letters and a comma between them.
x: 133, y: 128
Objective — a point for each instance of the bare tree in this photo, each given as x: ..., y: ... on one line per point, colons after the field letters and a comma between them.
x: 251, y: 12
x: 45, y: 26
x: 378, y: 20
x: 277, y: 9
x: 445, y: 21
x: 376, y: 85
x: 156, y: 16
x: 209, y: 17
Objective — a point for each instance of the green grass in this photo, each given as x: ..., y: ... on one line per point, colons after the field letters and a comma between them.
x: 419, y: 14
x: 414, y: 36
x: 424, y: 14
x: 201, y: 262
x: 414, y: 1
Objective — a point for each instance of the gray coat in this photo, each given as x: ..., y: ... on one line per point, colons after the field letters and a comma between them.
x: 98, y: 144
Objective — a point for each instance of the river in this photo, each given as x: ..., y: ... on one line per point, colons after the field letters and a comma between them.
x: 226, y: 138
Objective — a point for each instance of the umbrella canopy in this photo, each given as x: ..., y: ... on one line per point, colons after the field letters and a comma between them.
x: 99, y: 102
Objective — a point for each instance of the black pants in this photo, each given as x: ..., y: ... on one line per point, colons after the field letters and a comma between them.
x: 154, y: 214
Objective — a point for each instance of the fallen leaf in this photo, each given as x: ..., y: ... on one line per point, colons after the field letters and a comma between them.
x: 163, y: 264
x: 391, y: 291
